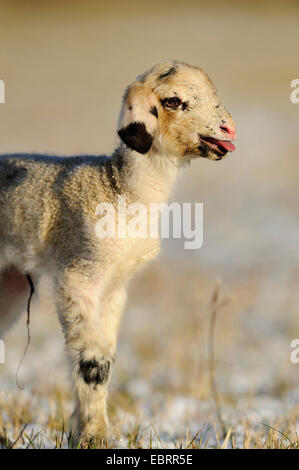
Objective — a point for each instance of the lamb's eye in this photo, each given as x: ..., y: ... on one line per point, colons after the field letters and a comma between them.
x: 172, y: 103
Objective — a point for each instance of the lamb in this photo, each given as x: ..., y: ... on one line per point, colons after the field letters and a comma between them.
x: 48, y: 211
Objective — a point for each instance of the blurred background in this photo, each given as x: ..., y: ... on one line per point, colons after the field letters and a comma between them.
x: 65, y: 66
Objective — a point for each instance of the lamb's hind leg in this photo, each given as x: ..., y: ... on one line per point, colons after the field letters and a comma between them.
x: 14, y: 293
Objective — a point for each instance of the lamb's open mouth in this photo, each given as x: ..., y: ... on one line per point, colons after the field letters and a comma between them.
x: 220, y: 147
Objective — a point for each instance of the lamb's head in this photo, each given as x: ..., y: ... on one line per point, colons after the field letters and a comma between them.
x: 173, y: 109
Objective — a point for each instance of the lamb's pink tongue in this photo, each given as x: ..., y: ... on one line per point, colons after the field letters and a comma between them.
x: 229, y: 146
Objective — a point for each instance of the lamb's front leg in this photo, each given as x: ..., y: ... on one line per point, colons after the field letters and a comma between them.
x: 90, y: 323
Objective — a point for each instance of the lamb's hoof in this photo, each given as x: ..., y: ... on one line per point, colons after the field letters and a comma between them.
x: 91, y: 442
x: 84, y: 440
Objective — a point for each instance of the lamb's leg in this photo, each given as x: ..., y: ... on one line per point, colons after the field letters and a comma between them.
x: 91, y: 347
x: 14, y: 294
x: 112, y: 306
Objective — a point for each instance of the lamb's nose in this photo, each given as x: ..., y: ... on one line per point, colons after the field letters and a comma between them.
x: 230, y: 130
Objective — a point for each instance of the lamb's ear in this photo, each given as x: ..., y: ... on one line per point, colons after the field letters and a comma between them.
x: 139, y: 118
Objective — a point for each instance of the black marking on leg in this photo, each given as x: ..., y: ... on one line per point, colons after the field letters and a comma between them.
x: 95, y: 372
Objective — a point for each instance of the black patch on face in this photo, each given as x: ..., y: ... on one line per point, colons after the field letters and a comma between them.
x: 170, y: 72
x: 185, y: 106
x: 94, y: 372
x: 136, y: 137
x: 154, y: 111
